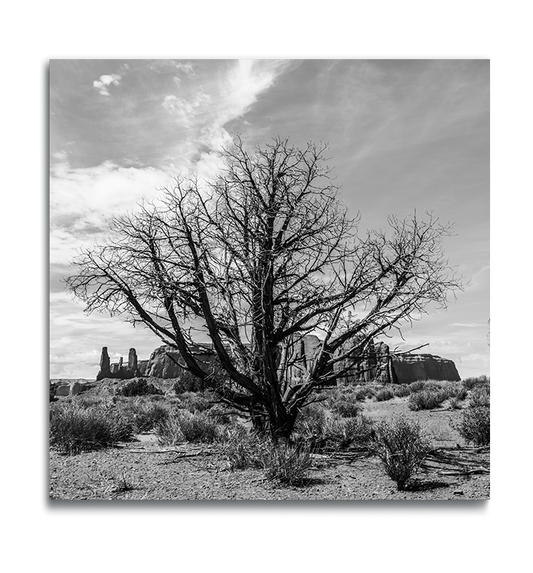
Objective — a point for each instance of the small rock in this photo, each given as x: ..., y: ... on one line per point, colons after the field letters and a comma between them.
x: 458, y: 492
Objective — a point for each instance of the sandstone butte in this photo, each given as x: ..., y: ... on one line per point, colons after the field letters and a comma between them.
x: 377, y: 365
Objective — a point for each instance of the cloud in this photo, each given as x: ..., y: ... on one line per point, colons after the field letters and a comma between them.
x: 105, y: 81
x: 186, y: 111
x: 185, y: 68
x: 82, y: 201
x: 203, y: 110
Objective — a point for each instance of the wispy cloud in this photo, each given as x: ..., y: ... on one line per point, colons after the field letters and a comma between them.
x: 102, y: 84
x: 210, y: 106
x: 82, y: 201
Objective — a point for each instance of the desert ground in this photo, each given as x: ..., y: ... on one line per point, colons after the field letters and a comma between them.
x: 160, y: 460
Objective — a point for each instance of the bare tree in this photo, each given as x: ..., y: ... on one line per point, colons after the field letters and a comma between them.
x: 263, y: 256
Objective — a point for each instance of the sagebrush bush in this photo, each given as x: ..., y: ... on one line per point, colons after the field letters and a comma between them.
x: 471, y: 382
x: 311, y: 421
x: 138, y: 387
x: 474, y: 425
x: 221, y: 414
x: 342, y: 433
x: 75, y: 429
x: 245, y: 449
x: 169, y: 432
x: 343, y: 401
x: 401, y: 447
x: 429, y: 385
x: 92, y: 401
x: 480, y: 397
x: 362, y: 394
x: 426, y: 400
x: 196, y: 402
x: 384, y: 395
x: 143, y: 413
x: 401, y: 390
x: 348, y: 409
x: 288, y: 464
x: 417, y: 386
x: 450, y: 389
x: 198, y: 428
x: 185, y: 426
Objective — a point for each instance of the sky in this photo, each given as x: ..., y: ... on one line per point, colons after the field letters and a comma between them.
x: 402, y: 135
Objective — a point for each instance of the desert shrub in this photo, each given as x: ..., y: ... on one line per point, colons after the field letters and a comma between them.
x: 169, y: 431
x: 348, y: 409
x: 428, y: 385
x: 474, y: 381
x: 288, y: 464
x: 53, y: 388
x: 221, y: 414
x: 75, y: 429
x: 426, y: 400
x: 244, y: 450
x: 92, y: 401
x: 452, y: 389
x: 144, y: 414
x: 401, y: 390
x: 474, y: 425
x: 343, y: 433
x: 343, y: 401
x: 311, y: 422
x: 320, y: 428
x: 417, y: 386
x: 401, y: 447
x: 187, y: 427
x: 480, y: 397
x: 384, y: 394
x: 198, y: 427
x: 138, y: 387
x: 364, y: 393
x: 196, y: 402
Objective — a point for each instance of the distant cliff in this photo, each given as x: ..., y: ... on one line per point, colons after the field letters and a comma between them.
x: 375, y: 365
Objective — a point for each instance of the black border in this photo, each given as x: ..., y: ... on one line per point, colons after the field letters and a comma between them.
x: 200, y: 510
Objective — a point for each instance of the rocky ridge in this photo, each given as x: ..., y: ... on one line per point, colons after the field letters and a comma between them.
x: 376, y: 365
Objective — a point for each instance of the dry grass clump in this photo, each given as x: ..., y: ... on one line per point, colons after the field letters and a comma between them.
x: 475, y: 381
x: 196, y: 401
x: 474, y: 425
x: 143, y: 413
x: 401, y: 390
x: 283, y: 463
x: 185, y: 426
x: 75, y: 429
x: 426, y: 399
x: 365, y: 392
x: 384, y: 395
x: 139, y: 387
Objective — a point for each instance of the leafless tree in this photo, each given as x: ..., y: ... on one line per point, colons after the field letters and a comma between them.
x: 261, y: 257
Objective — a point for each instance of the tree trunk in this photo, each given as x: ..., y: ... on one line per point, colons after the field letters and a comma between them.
x: 281, y: 425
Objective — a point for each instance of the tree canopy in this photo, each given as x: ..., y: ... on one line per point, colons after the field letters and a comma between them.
x: 257, y: 259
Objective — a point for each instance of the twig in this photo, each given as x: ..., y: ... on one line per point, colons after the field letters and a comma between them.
x: 465, y: 473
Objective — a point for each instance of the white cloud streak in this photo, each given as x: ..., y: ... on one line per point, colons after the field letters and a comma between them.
x: 102, y: 84
x: 205, y: 112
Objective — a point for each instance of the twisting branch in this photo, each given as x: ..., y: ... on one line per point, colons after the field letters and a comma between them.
x: 261, y: 257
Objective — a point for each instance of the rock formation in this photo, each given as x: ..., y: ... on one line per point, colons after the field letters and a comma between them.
x: 118, y: 370
x: 105, y: 365
x: 376, y: 364
x: 132, y: 360
x: 69, y: 389
x: 412, y: 367
x: 373, y: 365
x: 161, y: 363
